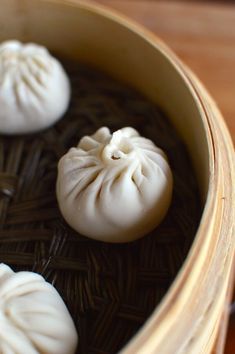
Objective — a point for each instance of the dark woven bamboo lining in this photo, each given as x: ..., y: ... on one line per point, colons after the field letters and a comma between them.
x: 110, y: 289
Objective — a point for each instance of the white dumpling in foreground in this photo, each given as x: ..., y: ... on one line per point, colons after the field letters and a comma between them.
x: 33, y: 316
x: 34, y: 88
x: 114, y: 187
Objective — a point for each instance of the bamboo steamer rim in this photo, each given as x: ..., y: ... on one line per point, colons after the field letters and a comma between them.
x: 163, y: 320
x: 216, y: 223
x: 214, y: 243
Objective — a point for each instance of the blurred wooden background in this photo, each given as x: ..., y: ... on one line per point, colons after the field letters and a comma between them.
x: 202, y: 33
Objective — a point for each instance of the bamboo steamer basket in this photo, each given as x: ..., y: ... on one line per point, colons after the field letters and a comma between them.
x: 189, y: 317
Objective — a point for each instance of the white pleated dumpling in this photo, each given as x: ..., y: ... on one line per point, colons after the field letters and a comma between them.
x: 33, y: 316
x: 34, y: 88
x: 114, y: 187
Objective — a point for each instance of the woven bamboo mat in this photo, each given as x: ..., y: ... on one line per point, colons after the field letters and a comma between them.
x: 109, y: 289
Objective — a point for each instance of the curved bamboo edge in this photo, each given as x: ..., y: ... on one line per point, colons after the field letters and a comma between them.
x: 216, y: 231
x: 203, y: 334
x: 224, y: 152
x: 213, y: 249
x: 220, y: 233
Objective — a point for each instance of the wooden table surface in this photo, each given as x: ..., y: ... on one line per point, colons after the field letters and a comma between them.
x: 202, y: 33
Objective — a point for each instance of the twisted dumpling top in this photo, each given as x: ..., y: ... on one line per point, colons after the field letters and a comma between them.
x: 114, y: 187
x: 33, y: 316
x: 34, y: 88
